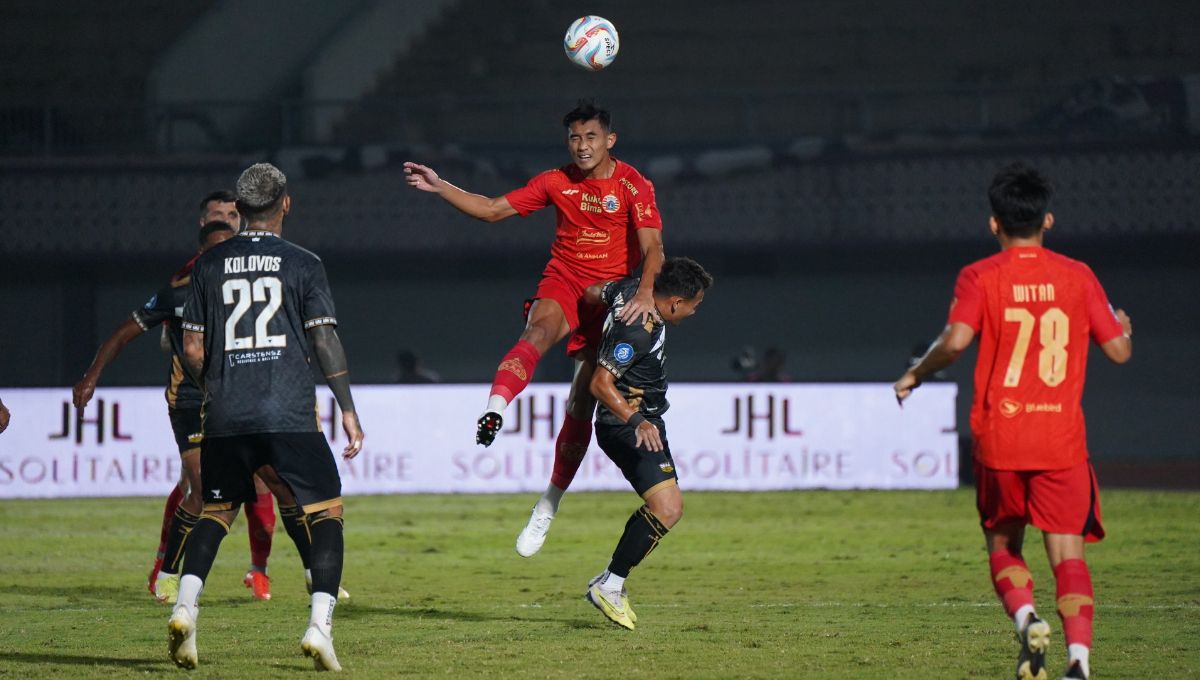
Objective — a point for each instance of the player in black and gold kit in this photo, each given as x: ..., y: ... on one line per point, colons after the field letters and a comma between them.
x: 632, y: 393
x: 183, y: 402
x: 258, y: 305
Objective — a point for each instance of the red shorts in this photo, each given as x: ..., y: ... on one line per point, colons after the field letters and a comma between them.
x: 1065, y: 501
x: 586, y: 321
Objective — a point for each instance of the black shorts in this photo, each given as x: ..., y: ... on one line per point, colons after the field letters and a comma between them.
x: 188, y: 428
x: 644, y: 469
x: 302, y: 459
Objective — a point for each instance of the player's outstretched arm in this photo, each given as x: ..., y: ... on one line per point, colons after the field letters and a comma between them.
x: 480, y: 207
x: 327, y: 347
x: 640, y: 309
x: 955, y: 339
x: 604, y: 389
x: 1120, y: 349
x: 82, y: 393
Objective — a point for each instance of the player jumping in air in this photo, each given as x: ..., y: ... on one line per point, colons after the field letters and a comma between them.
x: 632, y: 390
x: 1034, y: 311
x: 258, y: 305
x: 608, y: 224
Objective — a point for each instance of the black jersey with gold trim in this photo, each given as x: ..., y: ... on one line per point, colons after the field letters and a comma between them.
x: 635, y: 355
x: 254, y: 297
x: 166, y: 307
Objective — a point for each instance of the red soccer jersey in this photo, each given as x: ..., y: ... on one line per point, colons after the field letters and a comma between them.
x: 1034, y: 311
x: 598, y: 219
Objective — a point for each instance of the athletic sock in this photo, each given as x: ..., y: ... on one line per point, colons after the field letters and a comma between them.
x: 515, y: 370
x: 202, y: 546
x: 1076, y: 606
x: 550, y: 499
x: 642, y: 533
x: 569, y: 450
x: 321, y: 614
x: 327, y: 554
x: 260, y: 522
x: 164, y: 536
x: 190, y: 587
x: 1079, y: 653
x: 297, y: 529
x: 1013, y: 583
x: 612, y: 582
x: 181, y: 527
x: 496, y: 404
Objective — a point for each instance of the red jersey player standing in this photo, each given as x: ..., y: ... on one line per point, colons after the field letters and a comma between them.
x: 1035, y: 311
x: 607, y: 224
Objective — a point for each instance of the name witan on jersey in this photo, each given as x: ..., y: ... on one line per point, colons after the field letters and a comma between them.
x: 1033, y: 292
x: 252, y: 263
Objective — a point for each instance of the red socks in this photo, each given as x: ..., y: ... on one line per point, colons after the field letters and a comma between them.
x: 1076, y: 607
x: 515, y: 370
x: 260, y: 520
x: 569, y: 449
x: 168, y: 516
x: 1013, y: 582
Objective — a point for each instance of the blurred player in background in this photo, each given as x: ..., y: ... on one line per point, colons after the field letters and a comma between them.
x: 632, y: 389
x: 4, y: 416
x: 219, y: 220
x: 607, y: 225
x: 1035, y: 311
x: 258, y: 305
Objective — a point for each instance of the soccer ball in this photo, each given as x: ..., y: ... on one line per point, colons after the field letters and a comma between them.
x: 591, y: 43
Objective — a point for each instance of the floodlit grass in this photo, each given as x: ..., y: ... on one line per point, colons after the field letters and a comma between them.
x: 801, y: 584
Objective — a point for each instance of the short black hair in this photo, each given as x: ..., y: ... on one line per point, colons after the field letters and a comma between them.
x: 222, y: 196
x: 214, y: 226
x: 1020, y: 196
x: 585, y: 110
x: 681, y: 276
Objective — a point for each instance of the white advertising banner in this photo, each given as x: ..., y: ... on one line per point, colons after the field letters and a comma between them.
x: 420, y: 438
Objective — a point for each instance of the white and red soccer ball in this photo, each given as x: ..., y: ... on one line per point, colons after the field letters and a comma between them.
x: 591, y: 43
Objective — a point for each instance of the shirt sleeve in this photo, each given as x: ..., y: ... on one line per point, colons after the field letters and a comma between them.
x: 623, y: 346
x: 1103, y: 320
x: 197, y: 303
x: 644, y: 211
x: 967, y: 305
x: 159, y: 308
x: 533, y: 196
x: 318, y: 300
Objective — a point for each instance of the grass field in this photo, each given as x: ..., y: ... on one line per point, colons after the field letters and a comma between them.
x: 801, y: 584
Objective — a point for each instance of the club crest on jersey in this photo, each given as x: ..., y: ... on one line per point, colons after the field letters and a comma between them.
x: 611, y: 203
x: 623, y: 353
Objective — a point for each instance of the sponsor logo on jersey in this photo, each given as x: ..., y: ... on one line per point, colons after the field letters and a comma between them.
x: 611, y: 203
x: 644, y: 212
x: 629, y: 185
x: 1009, y: 408
x: 623, y: 353
x: 586, y: 236
x: 569, y: 192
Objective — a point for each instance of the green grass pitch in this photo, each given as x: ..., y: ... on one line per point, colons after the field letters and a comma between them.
x: 809, y: 584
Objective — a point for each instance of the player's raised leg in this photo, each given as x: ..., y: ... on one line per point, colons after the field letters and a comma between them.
x: 1014, y: 586
x: 546, y: 325
x: 569, y: 450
